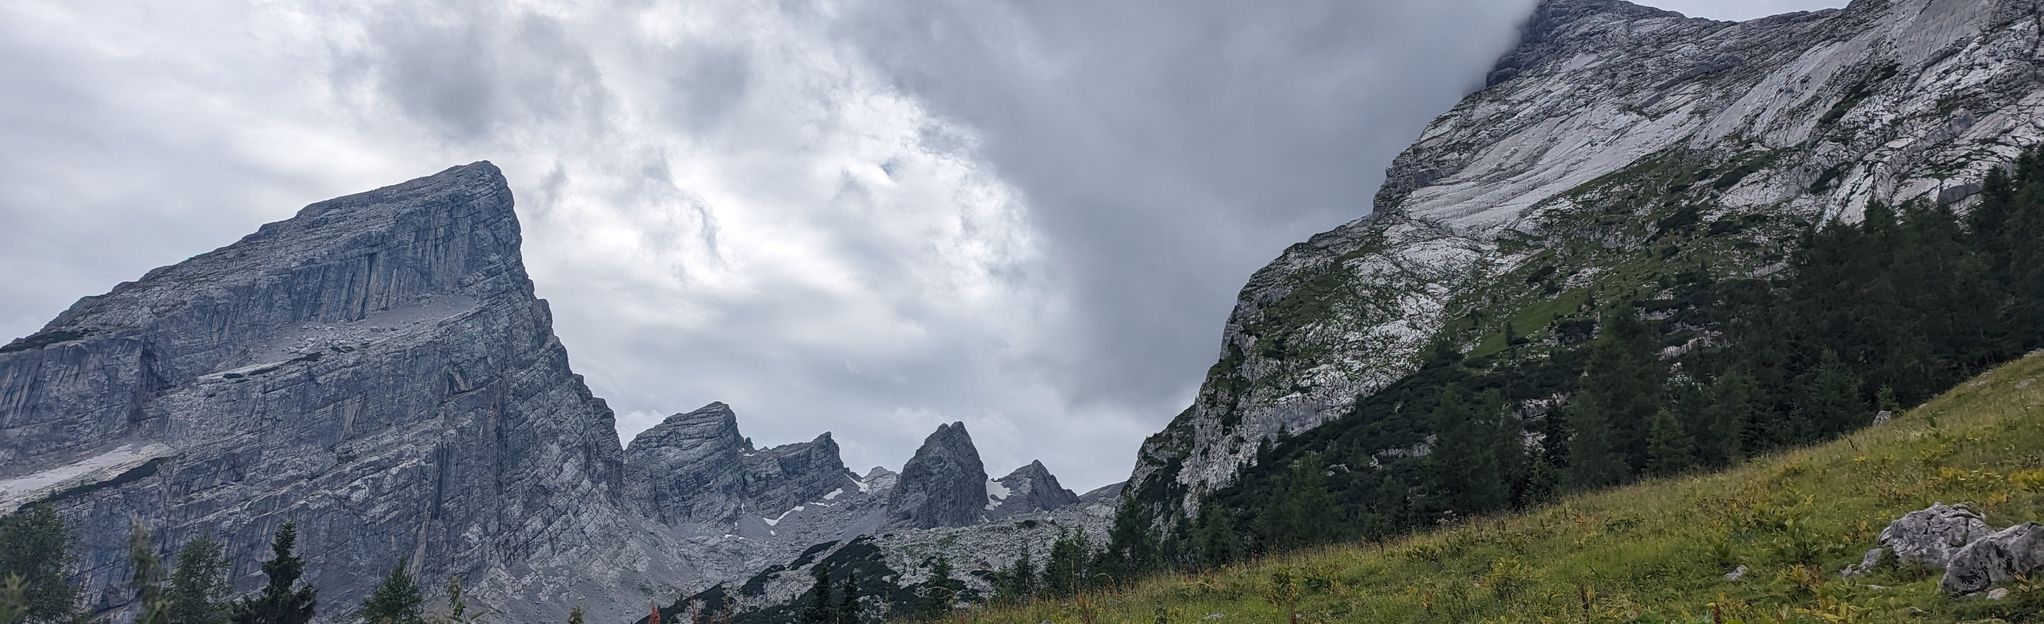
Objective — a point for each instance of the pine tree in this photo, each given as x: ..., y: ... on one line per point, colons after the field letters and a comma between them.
x: 1594, y: 462
x: 1301, y: 513
x: 1626, y: 376
x: 819, y: 609
x: 1833, y: 405
x: 199, y: 590
x: 281, y: 601
x: 1734, y: 411
x: 1214, y: 537
x: 1021, y: 577
x: 457, y: 606
x: 848, y: 600
x: 575, y: 615
x: 36, y: 548
x: 1064, y: 573
x: 1131, y: 550
x: 1668, y: 445
x: 147, y: 578
x: 940, y: 592
x: 397, y: 600
x: 1464, y: 460
x: 1543, y: 481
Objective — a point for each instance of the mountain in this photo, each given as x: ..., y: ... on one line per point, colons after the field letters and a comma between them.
x: 375, y: 369
x: 943, y: 485
x: 1760, y: 543
x: 1616, y: 150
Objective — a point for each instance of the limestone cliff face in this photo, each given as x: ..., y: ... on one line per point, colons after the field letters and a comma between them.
x: 1782, y: 122
x: 943, y: 485
x: 376, y: 369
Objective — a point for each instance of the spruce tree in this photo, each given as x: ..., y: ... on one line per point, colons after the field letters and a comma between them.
x: 1626, y: 375
x: 1131, y: 549
x: 147, y: 577
x: 1668, y: 445
x: 36, y: 548
x: 1543, y: 481
x: 1734, y: 413
x: 1064, y: 573
x: 819, y: 608
x: 1593, y: 461
x: 281, y: 601
x: 1833, y: 405
x: 940, y: 592
x: 1464, y: 460
x: 1214, y: 537
x: 575, y: 615
x: 199, y: 590
x: 1021, y: 577
x: 397, y: 600
x: 848, y: 600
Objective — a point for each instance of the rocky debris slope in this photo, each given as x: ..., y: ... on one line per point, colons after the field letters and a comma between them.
x: 1791, y: 119
x: 376, y: 369
x: 943, y: 485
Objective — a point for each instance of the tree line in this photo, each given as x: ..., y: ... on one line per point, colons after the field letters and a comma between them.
x: 1868, y: 318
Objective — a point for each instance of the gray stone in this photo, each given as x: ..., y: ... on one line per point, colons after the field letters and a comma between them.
x: 1594, y: 89
x: 1736, y: 574
x: 1029, y: 488
x: 943, y: 485
x: 2010, y: 553
x: 1866, y: 565
x: 376, y: 369
x: 1999, y: 593
x: 1928, y: 537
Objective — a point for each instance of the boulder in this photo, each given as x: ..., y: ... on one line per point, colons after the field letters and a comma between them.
x: 1929, y: 537
x: 2003, y: 556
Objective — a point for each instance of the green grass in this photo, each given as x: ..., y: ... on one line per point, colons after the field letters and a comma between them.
x: 1659, y: 551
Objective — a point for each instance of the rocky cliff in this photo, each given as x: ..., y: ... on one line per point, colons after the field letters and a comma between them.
x: 943, y: 485
x: 1608, y: 134
x: 375, y: 369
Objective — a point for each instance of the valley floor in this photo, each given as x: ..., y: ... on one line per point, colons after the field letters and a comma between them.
x: 1661, y: 551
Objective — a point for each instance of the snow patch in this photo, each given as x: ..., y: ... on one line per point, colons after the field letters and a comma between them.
x: 776, y: 521
x: 840, y: 491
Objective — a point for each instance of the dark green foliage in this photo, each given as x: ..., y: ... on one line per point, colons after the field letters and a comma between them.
x: 818, y: 607
x: 1668, y: 445
x: 36, y: 548
x: 940, y: 591
x: 1064, y: 573
x: 1301, y: 514
x: 1131, y: 549
x: 1733, y: 406
x: 199, y: 590
x: 1215, y: 537
x: 1471, y: 453
x: 282, y: 600
x: 575, y: 615
x: 848, y: 607
x: 1594, y: 460
x: 1019, y: 582
x: 397, y: 600
x: 1833, y: 405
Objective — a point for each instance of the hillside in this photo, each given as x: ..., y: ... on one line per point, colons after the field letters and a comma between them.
x: 1660, y: 551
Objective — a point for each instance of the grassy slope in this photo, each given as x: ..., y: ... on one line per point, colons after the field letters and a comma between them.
x: 1658, y: 551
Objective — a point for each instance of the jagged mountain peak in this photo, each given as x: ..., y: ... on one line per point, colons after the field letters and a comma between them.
x: 944, y: 484
x: 1029, y: 488
x: 382, y: 352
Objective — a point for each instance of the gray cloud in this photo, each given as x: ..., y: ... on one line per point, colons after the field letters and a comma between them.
x: 865, y: 218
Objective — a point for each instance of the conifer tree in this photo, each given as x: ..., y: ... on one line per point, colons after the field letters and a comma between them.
x: 1626, y: 376
x: 1833, y: 405
x: 1064, y: 573
x: 1593, y: 462
x: 819, y: 609
x: 848, y: 609
x: 1214, y: 537
x: 36, y: 549
x: 575, y: 615
x: 1131, y: 550
x: 1543, y: 481
x: 1021, y: 577
x: 199, y: 590
x: 281, y: 601
x: 1733, y: 413
x: 147, y: 577
x: 397, y: 600
x: 1465, y: 459
x: 1668, y: 445
x: 940, y: 592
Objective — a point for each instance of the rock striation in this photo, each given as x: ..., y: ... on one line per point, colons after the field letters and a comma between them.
x: 376, y: 369
x: 943, y: 485
x: 1789, y: 120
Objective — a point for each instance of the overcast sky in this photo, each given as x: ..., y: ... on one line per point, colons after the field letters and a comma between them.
x: 856, y: 216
